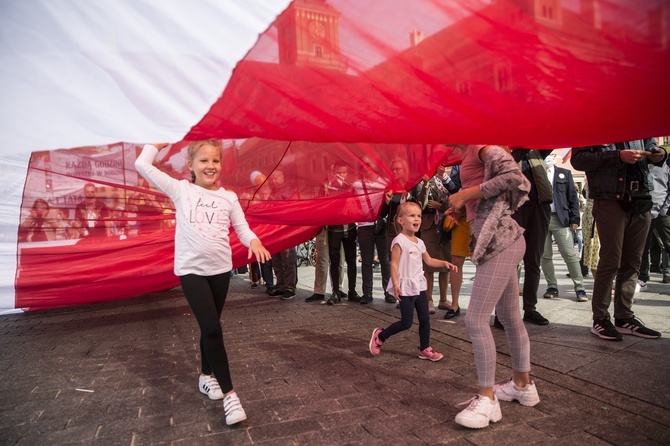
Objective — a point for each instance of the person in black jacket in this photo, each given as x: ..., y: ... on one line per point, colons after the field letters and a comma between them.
x: 620, y: 185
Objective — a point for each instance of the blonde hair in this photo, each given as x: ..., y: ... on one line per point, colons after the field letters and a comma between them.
x: 194, y: 146
x: 401, y: 211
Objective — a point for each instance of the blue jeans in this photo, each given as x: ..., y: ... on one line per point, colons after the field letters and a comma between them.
x: 407, y: 306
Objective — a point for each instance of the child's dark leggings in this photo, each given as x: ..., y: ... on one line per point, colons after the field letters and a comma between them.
x: 206, y: 296
x: 407, y: 306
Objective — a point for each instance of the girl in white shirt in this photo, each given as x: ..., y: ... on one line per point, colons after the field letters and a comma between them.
x: 408, y: 283
x: 203, y: 256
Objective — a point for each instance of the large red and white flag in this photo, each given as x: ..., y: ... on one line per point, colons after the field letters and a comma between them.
x: 289, y: 87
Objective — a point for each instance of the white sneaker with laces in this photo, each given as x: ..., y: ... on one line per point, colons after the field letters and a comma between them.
x: 210, y: 387
x: 508, y: 391
x: 480, y: 411
x: 233, y: 409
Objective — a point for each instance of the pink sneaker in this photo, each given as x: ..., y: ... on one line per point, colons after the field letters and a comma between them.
x: 430, y: 354
x: 375, y: 342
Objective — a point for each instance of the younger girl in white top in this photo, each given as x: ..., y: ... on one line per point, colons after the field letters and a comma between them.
x: 203, y: 257
x: 408, y: 283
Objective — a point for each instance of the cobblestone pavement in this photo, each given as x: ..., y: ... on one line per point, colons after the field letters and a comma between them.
x: 125, y: 372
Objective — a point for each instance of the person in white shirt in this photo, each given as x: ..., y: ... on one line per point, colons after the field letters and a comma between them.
x: 564, y: 220
x: 203, y: 256
x: 408, y: 282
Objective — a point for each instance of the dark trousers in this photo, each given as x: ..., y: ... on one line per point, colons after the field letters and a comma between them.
x: 206, y: 296
x: 622, y: 240
x: 286, y: 269
x: 367, y: 242
x: 661, y: 225
x: 347, y: 240
x: 407, y: 306
x: 535, y: 221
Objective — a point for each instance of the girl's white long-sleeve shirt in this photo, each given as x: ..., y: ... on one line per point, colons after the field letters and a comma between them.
x: 204, y: 217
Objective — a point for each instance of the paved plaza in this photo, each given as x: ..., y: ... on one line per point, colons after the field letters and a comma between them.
x: 125, y: 373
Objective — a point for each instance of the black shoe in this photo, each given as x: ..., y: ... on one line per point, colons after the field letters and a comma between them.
x: 270, y: 290
x: 353, y: 296
x: 254, y: 285
x: 366, y: 299
x: 275, y: 292
x: 497, y: 324
x: 604, y: 329
x: 551, y: 293
x: 581, y: 296
x: 534, y: 317
x: 389, y: 298
x: 666, y: 278
x: 315, y: 298
x: 450, y: 314
x: 634, y: 326
x: 341, y: 294
x: 334, y: 299
x: 288, y: 294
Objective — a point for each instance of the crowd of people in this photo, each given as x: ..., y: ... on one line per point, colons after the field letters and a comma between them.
x: 519, y: 204
x: 98, y: 215
x: 504, y: 209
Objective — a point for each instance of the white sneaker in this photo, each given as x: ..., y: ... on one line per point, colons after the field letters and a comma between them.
x: 233, y: 409
x: 480, y: 411
x: 526, y: 396
x: 210, y: 387
x: 641, y: 285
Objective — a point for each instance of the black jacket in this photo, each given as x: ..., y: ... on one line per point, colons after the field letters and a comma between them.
x: 566, y: 201
x: 605, y: 171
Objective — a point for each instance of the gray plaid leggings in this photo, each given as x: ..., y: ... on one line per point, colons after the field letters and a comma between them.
x: 496, y: 286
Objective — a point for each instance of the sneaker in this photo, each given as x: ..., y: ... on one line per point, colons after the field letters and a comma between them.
x: 480, y: 412
x: 341, y: 294
x: 375, y: 342
x: 210, y: 387
x: 526, y: 396
x: 334, y: 299
x: 389, y: 298
x: 270, y: 290
x: 315, y: 298
x: 233, y: 409
x: 430, y: 354
x: 581, y: 296
x: 604, y: 329
x: 551, y: 293
x: 642, y: 284
x: 254, y: 285
x: 366, y: 299
x: 275, y: 293
x: 534, y: 317
x: 635, y: 327
x: 353, y: 296
x: 288, y: 294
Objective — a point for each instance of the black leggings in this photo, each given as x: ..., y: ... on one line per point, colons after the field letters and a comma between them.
x: 206, y: 296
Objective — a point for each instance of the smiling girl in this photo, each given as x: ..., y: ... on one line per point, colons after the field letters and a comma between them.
x: 408, y: 283
x: 203, y: 256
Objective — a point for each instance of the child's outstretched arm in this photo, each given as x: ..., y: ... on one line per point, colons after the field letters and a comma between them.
x: 395, y: 261
x: 257, y: 249
x: 435, y: 263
